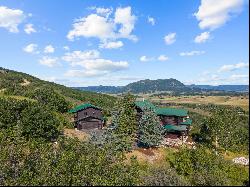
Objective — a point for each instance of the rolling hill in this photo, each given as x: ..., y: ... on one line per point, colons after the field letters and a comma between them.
x: 144, y: 86
x: 165, y: 85
x: 21, y: 85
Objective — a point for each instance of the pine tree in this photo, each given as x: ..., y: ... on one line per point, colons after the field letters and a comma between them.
x: 126, y: 122
x: 150, y: 130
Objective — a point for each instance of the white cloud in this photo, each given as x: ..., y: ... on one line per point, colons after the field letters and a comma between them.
x: 31, y: 48
x: 66, y: 48
x: 124, y: 17
x: 84, y: 73
x: 92, y: 63
x: 145, y: 59
x: 192, y: 53
x: 151, y: 20
x: 111, y: 45
x: 202, y: 38
x: 11, y: 18
x: 104, y: 11
x: 105, y: 27
x: 232, y: 67
x: 49, y: 61
x: 92, y: 26
x: 78, y: 56
x: 49, y: 49
x: 170, y: 38
x: 163, y: 58
x: 213, y: 14
x: 239, y: 76
x: 28, y: 28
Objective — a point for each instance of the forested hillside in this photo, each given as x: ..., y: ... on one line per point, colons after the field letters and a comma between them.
x: 145, y: 86
x: 168, y: 86
x: 14, y: 83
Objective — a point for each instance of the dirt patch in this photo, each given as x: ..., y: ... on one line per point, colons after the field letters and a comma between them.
x: 72, y: 133
x: 148, y: 152
x: 25, y: 82
x: 147, y: 155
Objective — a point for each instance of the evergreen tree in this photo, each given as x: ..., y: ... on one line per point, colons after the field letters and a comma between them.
x: 150, y: 130
x: 126, y: 122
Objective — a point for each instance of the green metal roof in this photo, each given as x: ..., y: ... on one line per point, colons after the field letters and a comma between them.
x: 83, y: 106
x: 175, y: 127
x: 187, y: 122
x: 142, y: 104
x: 171, y: 112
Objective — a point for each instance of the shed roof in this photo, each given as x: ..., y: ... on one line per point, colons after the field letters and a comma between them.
x: 146, y: 103
x: 83, y: 106
x: 169, y: 127
x: 171, y: 112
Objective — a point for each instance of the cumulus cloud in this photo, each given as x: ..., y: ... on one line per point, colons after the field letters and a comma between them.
x: 28, y: 28
x: 232, y: 67
x: 170, y: 38
x: 202, y: 38
x: 192, y: 53
x: 49, y: 49
x: 92, y: 64
x: 11, y: 18
x: 111, y: 45
x: 124, y: 17
x: 104, y: 11
x: 213, y: 14
x: 49, y: 61
x: 162, y: 58
x: 151, y: 20
x: 145, y: 59
x: 101, y: 25
x: 31, y: 48
x: 66, y: 48
x: 92, y: 26
x: 84, y: 73
x: 77, y: 56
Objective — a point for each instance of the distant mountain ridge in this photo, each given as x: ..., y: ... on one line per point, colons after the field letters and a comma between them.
x: 163, y: 85
x: 236, y: 88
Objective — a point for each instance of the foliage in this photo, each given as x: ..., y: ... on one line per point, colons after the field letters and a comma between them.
x: 203, y: 167
x: 39, y: 122
x: 32, y: 119
x: 150, y: 129
x: 126, y: 122
x: 50, y: 98
x: 163, y: 176
x: 228, y: 128
x: 11, y: 84
x: 69, y: 162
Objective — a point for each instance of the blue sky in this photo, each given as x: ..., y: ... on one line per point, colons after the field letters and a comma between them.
x: 82, y: 43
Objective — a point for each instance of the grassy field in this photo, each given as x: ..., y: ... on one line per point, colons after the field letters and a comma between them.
x: 240, y: 101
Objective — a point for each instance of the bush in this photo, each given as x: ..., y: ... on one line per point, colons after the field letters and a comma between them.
x: 50, y: 98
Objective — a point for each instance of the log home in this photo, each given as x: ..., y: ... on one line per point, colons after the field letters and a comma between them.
x: 87, y: 116
x: 175, y: 121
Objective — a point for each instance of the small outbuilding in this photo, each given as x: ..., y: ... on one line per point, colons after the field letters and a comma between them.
x: 87, y: 116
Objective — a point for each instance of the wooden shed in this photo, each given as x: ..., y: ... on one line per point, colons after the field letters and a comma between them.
x: 87, y: 116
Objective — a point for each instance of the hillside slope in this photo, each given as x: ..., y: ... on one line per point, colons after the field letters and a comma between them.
x: 144, y: 86
x: 21, y: 84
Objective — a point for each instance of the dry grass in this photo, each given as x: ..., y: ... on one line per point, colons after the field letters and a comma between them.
x: 72, y: 133
x: 25, y: 82
x: 218, y: 100
x: 156, y: 156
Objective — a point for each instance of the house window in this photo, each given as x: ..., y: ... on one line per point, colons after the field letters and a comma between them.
x: 86, y: 113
